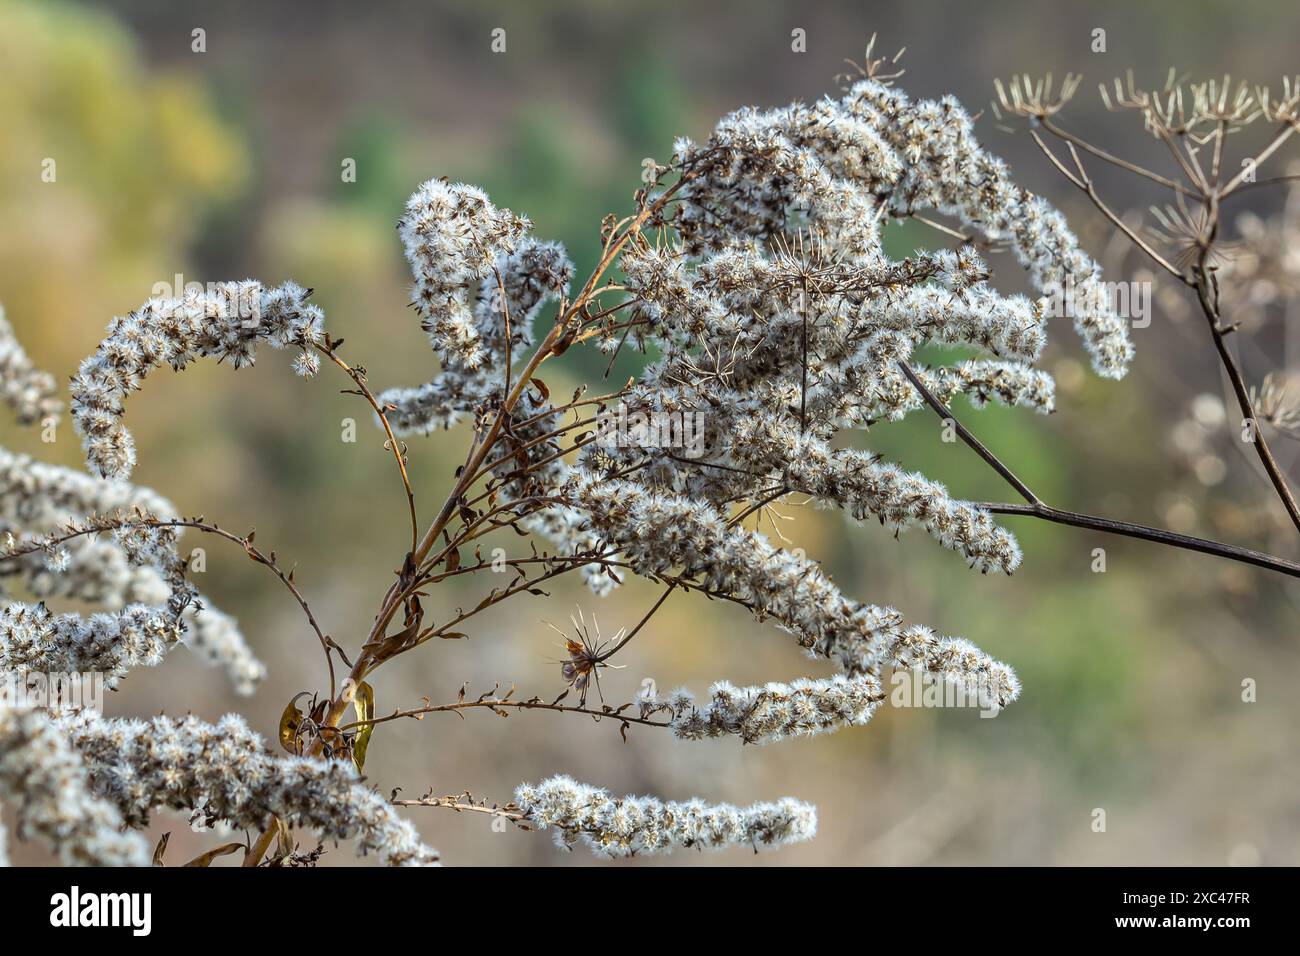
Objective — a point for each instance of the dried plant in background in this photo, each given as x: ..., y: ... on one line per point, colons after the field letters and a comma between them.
x: 751, y: 271
x: 1229, y: 281
x: 1258, y: 277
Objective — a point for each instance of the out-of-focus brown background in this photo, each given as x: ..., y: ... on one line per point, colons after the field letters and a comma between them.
x: 226, y: 163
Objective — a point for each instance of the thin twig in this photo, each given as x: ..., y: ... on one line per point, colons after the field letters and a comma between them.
x: 493, y: 703
x: 1130, y: 530
x: 105, y: 523
x: 359, y: 378
x: 1210, y: 307
x: 1037, y: 508
x: 946, y: 414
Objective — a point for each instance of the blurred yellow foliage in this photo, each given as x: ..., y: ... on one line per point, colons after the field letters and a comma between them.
x: 106, y: 164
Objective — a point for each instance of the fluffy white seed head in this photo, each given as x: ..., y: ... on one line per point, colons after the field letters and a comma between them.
x: 774, y: 711
x: 28, y: 391
x: 225, y: 323
x: 46, y: 782
x: 225, y: 771
x: 632, y: 826
x: 525, y: 275
x: 135, y: 575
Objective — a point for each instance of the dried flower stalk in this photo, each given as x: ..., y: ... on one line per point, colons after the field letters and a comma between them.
x: 753, y: 270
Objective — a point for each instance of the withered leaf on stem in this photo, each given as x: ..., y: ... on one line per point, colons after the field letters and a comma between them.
x: 364, y: 704
x: 205, y: 859
x: 290, y: 721
x: 161, y: 848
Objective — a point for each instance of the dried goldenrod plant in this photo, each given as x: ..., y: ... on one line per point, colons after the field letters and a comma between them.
x: 752, y: 273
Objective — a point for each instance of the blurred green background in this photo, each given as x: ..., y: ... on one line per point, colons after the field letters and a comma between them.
x: 226, y: 163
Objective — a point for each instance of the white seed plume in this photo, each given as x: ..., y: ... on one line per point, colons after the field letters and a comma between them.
x: 226, y: 323
x: 779, y: 257
x: 775, y: 711
x: 146, y: 578
x: 215, y: 636
x: 225, y: 770
x: 984, y: 380
x: 949, y: 171
x: 764, y: 428
x: 629, y: 826
x: 836, y: 162
x: 531, y: 275
x: 682, y: 538
x: 865, y: 487
x: 957, y: 662
x: 23, y: 387
x: 46, y: 782
x: 453, y: 237
x: 34, y: 640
